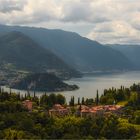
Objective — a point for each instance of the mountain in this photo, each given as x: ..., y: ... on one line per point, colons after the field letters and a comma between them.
x: 22, y: 53
x: 42, y: 82
x: 132, y: 52
x: 79, y: 52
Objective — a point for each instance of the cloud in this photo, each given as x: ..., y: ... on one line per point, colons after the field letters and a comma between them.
x: 82, y: 11
x: 135, y: 21
x: 104, y: 20
x: 7, y: 6
x: 28, y: 11
x: 115, y: 32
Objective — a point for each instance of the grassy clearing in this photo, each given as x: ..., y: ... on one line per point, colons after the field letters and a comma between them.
x: 122, y: 103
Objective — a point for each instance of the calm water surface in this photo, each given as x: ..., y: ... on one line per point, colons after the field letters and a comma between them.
x: 91, y: 83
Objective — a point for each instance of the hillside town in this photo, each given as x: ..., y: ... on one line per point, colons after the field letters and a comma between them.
x: 112, y: 115
x: 80, y: 110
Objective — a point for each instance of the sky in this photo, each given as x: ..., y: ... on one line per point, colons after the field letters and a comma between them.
x: 106, y: 21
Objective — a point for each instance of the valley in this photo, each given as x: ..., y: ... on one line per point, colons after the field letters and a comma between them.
x: 78, y: 52
x: 70, y: 69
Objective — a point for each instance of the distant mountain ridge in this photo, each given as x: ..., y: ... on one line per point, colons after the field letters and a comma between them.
x: 78, y: 52
x: 132, y: 52
x: 23, y: 53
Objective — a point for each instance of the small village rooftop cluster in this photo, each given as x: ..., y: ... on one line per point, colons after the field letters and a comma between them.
x: 80, y: 110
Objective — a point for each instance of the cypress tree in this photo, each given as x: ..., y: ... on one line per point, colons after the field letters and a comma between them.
x: 79, y: 101
x: 73, y: 101
x: 97, y: 98
x: 25, y: 97
x: 70, y: 102
x: 34, y: 94
x: 83, y: 101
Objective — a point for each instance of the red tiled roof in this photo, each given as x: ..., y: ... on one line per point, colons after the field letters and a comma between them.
x: 85, y: 111
x: 101, y: 108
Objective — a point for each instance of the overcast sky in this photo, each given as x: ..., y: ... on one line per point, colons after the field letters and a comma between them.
x: 107, y: 21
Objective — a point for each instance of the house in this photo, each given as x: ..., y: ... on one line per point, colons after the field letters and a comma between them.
x: 59, y: 110
x: 85, y: 111
x: 28, y: 104
x: 112, y: 108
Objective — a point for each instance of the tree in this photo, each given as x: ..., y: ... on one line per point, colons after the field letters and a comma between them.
x: 52, y: 99
x: 83, y: 100
x: 13, y: 134
x: 61, y: 99
x: 125, y: 132
x: 109, y: 127
x: 135, y: 119
x: 103, y: 99
x: 79, y: 101
x: 97, y: 98
x: 72, y: 101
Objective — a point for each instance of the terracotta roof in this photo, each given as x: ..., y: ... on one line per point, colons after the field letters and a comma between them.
x: 84, y: 111
x: 95, y: 109
x: 83, y: 107
x: 27, y: 101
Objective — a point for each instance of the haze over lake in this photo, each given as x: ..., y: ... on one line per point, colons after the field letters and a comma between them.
x: 91, y: 83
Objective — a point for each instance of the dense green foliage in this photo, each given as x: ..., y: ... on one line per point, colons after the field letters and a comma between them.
x: 38, y: 125
x: 115, y: 95
x: 17, y: 123
x: 130, y: 95
x: 50, y: 100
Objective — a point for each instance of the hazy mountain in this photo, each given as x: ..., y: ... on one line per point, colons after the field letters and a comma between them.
x: 132, y: 52
x: 22, y: 53
x: 79, y: 52
x: 42, y: 82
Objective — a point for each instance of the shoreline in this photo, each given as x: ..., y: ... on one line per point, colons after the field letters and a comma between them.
x: 5, y: 87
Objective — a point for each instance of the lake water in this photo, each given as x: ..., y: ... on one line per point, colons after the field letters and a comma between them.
x: 91, y: 83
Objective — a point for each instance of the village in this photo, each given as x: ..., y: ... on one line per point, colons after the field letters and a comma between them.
x: 80, y: 110
x: 51, y: 115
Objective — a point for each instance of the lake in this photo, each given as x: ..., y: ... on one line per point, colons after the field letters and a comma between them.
x: 89, y: 84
